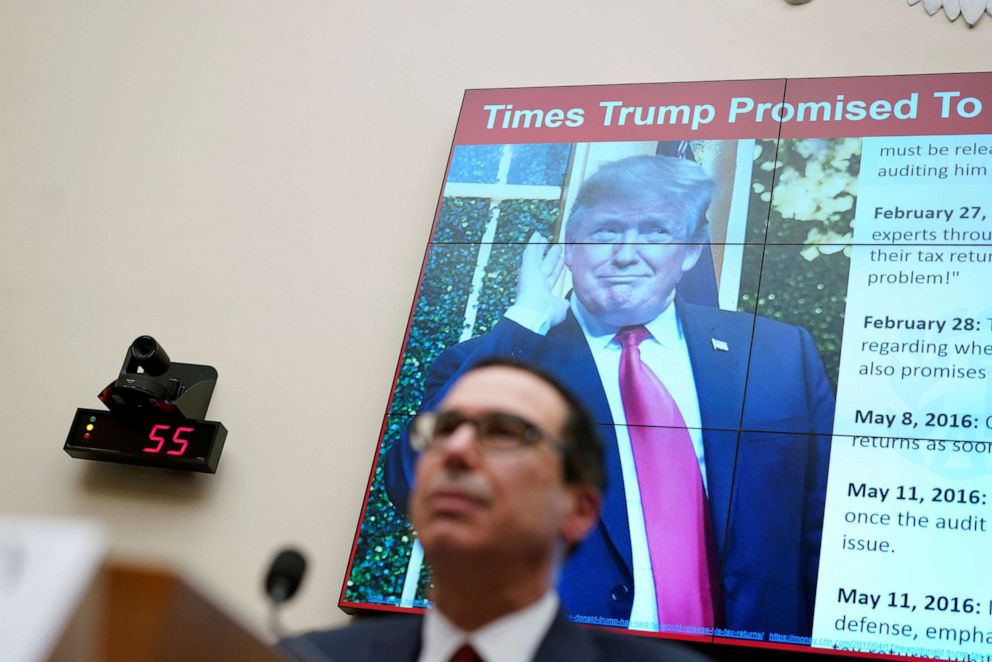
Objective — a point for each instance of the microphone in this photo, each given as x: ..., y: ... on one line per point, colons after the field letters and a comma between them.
x: 281, y: 583
x: 285, y: 575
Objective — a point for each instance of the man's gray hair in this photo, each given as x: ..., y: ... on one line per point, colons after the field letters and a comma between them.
x: 677, y: 184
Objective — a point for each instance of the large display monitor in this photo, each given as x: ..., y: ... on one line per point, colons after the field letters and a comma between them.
x: 824, y: 245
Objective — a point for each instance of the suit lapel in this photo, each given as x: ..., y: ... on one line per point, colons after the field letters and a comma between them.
x: 399, y: 639
x: 719, y: 359
x: 571, y: 361
x: 565, y: 641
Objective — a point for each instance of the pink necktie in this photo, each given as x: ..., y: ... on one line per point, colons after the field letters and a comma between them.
x: 675, y: 510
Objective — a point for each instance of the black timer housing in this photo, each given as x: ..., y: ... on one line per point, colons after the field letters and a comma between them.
x: 155, y: 418
x: 153, y: 441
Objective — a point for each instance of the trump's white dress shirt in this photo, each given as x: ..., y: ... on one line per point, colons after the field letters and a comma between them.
x: 667, y: 355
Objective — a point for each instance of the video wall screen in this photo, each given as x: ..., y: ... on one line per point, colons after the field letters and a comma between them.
x: 811, y: 260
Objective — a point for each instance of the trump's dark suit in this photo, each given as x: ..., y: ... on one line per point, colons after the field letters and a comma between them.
x: 766, y: 408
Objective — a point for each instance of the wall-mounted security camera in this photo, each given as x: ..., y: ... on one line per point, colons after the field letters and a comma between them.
x: 155, y: 418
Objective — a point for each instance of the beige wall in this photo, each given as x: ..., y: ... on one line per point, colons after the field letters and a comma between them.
x: 253, y: 183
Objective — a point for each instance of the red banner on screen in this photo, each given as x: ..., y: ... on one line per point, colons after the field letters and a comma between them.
x: 798, y: 108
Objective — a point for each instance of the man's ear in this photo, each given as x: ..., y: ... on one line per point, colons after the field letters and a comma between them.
x: 568, y: 255
x: 583, y: 503
x: 692, y: 253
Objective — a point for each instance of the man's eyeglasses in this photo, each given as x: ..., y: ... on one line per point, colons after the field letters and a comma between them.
x: 496, y: 431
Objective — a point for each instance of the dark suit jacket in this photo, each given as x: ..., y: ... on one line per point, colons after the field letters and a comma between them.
x: 767, y: 412
x: 398, y: 639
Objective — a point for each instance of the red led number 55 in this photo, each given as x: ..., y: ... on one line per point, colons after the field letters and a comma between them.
x: 176, y: 439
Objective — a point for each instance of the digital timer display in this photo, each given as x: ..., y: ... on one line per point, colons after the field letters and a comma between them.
x: 175, y: 444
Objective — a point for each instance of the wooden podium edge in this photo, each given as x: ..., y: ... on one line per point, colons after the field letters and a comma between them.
x: 135, y: 614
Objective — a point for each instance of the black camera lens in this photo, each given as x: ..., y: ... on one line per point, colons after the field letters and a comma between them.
x: 144, y: 347
x: 149, y: 355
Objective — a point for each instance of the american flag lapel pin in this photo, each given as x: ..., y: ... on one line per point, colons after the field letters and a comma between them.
x: 720, y: 345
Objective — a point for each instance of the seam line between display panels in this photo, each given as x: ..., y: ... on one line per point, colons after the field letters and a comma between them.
x: 747, y: 369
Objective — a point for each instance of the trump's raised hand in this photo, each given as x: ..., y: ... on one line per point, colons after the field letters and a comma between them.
x: 540, y: 269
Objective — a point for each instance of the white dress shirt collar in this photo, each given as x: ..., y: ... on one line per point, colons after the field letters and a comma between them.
x: 665, y: 328
x: 511, y: 638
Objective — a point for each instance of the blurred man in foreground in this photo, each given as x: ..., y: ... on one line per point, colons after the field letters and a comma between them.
x: 510, y: 478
